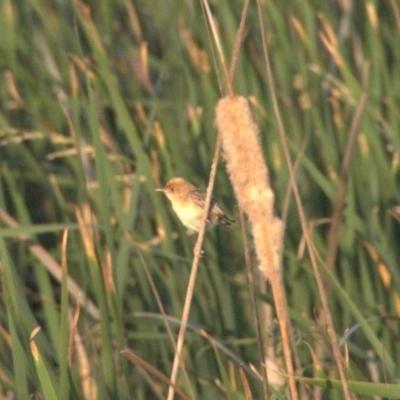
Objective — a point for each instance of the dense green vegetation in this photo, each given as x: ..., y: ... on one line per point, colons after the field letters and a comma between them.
x: 102, y: 102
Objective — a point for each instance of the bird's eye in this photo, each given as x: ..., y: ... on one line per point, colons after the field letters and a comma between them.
x: 171, y: 189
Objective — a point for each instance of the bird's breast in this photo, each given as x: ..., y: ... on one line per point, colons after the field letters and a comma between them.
x: 190, y: 214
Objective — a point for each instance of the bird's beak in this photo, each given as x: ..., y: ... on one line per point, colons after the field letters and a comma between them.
x: 159, y: 190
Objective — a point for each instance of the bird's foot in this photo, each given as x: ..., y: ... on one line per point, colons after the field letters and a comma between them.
x: 198, y: 253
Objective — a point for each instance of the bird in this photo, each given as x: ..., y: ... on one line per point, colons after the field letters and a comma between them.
x: 188, y: 203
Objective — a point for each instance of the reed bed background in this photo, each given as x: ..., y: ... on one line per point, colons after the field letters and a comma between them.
x: 102, y: 102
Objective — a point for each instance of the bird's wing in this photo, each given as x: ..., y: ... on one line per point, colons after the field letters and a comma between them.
x: 216, y: 212
x: 199, y: 197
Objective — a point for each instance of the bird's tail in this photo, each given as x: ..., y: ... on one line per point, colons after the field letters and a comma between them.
x: 226, y: 220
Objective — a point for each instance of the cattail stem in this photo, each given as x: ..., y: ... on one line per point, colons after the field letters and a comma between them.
x: 249, y: 176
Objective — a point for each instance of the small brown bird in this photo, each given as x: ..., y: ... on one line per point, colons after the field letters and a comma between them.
x: 188, y: 203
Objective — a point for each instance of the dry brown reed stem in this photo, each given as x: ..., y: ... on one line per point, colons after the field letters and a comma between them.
x: 193, y: 274
x: 238, y: 40
x: 164, y: 317
x: 338, y: 205
x: 217, y: 42
x: 250, y: 278
x: 249, y: 176
x: 307, y: 236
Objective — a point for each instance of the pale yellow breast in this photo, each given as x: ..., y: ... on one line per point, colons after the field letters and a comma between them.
x: 189, y: 213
